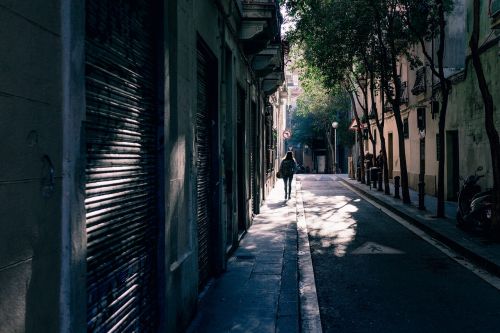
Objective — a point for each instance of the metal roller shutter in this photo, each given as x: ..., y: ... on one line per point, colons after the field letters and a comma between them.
x: 203, y: 143
x: 253, y: 158
x: 121, y: 166
x: 241, y: 161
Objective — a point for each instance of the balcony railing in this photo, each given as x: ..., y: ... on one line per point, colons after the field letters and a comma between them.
x: 420, y: 84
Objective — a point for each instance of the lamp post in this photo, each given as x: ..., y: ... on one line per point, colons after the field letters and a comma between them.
x: 335, y: 125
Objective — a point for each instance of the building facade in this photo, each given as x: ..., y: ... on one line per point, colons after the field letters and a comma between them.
x: 139, y: 139
x: 466, y: 142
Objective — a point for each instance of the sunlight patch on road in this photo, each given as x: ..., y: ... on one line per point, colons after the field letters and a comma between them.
x: 332, y: 223
x: 336, y: 230
x: 493, y: 280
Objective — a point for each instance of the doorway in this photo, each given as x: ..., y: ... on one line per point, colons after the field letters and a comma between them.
x: 240, y: 160
x: 207, y: 167
x: 253, y: 158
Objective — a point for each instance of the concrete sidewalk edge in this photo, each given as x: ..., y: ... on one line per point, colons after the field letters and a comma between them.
x: 481, y: 261
x: 309, y: 308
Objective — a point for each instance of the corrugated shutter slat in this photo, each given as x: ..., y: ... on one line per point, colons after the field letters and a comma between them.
x: 121, y: 166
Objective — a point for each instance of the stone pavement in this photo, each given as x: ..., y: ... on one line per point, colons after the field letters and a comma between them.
x: 474, y: 247
x: 259, y: 292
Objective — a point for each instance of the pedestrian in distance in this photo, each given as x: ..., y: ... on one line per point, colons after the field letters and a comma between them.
x: 287, y: 169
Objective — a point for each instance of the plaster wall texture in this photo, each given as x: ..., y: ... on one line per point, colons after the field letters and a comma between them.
x: 193, y: 20
x: 30, y: 167
x: 467, y: 117
x: 456, y: 44
x: 465, y: 110
x: 180, y: 257
x: 32, y: 98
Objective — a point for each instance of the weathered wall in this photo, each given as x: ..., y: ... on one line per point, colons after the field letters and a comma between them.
x: 180, y: 254
x: 30, y: 165
x: 467, y: 117
x: 465, y: 112
x: 42, y: 103
x: 190, y: 20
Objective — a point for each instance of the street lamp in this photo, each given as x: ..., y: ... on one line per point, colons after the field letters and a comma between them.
x: 335, y: 125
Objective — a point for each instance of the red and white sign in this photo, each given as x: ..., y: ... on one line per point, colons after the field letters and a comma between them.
x: 287, y: 134
x: 354, y: 125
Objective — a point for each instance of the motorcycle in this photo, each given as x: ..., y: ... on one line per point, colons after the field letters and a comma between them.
x: 474, y: 205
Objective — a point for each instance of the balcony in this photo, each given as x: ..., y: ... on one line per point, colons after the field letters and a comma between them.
x: 272, y: 81
x: 260, y: 24
x: 268, y: 60
x: 420, y: 84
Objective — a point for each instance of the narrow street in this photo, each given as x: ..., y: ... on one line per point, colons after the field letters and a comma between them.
x: 145, y: 145
x: 374, y: 275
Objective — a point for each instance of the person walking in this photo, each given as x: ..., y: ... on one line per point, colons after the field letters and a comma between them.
x: 287, y: 169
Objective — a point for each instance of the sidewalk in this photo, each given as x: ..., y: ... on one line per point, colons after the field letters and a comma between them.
x: 259, y: 291
x: 485, y: 253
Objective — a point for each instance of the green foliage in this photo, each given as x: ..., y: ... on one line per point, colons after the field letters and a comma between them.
x: 347, y: 39
x: 317, y: 108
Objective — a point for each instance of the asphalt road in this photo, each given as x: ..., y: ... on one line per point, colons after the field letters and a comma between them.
x: 374, y: 275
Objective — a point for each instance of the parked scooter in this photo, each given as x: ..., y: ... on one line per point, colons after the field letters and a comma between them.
x: 474, y: 206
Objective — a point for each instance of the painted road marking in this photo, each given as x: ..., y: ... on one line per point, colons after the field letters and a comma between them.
x: 374, y: 248
x: 483, y: 274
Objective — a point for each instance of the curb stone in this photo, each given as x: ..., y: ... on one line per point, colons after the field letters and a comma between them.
x: 309, y: 308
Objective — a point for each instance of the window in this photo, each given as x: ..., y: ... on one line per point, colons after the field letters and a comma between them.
x: 495, y: 14
x: 421, y: 118
x: 434, y: 108
x: 375, y: 135
x: 365, y: 137
x: 406, y: 129
x: 404, y: 92
x: 495, y: 8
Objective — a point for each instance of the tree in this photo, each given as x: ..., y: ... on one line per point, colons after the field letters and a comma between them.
x: 394, y: 40
x: 489, y: 109
x: 426, y: 19
x: 335, y: 36
x: 317, y: 108
x: 361, y: 85
x: 350, y: 91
